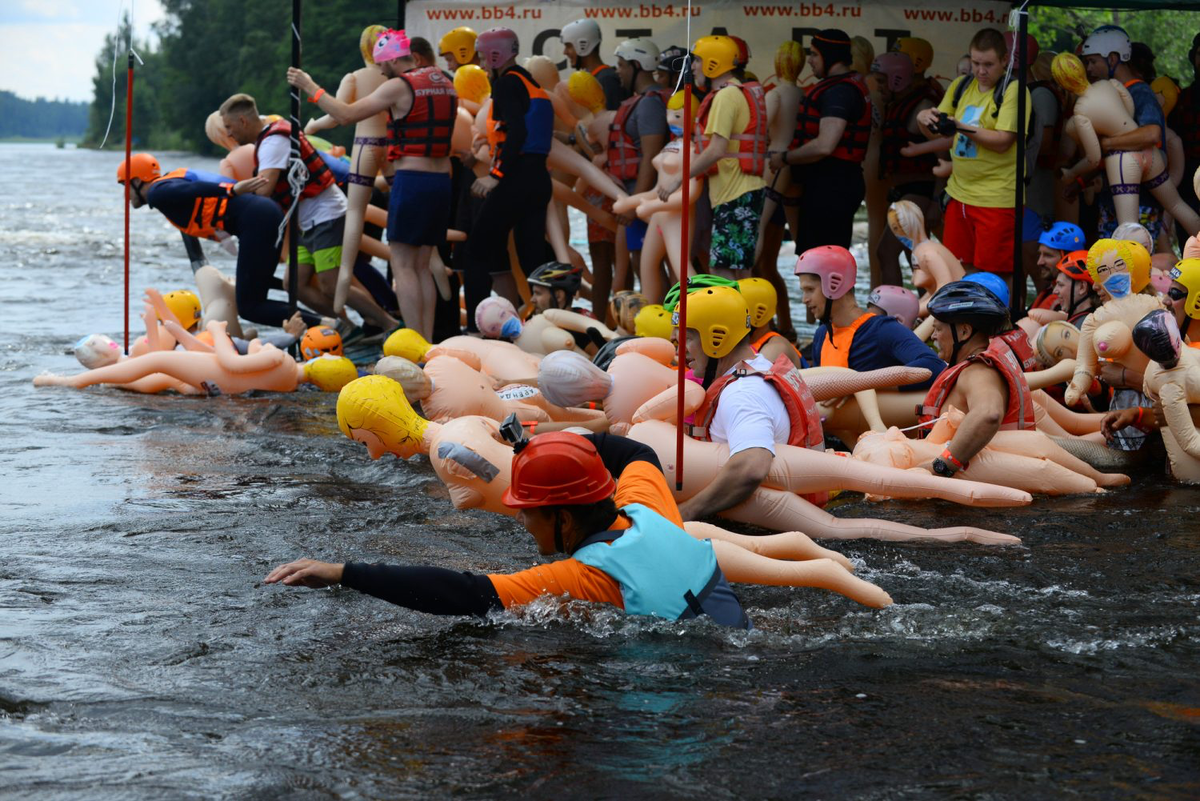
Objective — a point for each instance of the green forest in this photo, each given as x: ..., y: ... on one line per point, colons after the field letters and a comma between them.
x: 40, y: 118
x: 208, y: 50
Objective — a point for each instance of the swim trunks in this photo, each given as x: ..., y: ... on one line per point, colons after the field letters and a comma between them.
x: 419, y: 208
x: 735, y: 231
x: 321, y: 245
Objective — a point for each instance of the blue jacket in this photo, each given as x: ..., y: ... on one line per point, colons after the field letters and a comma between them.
x: 885, y: 342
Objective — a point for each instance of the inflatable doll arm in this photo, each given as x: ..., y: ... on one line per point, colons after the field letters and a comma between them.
x: 925, y: 329
x: 574, y: 321
x: 827, y: 383
x: 1179, y: 418
x: 791, y: 545
x: 1191, y: 248
x: 938, y: 145
x: 1126, y: 98
x: 1089, y: 140
x: 465, y: 356
x: 744, y: 567
x: 189, y: 340
x: 565, y: 194
x: 665, y: 404
x: 628, y: 205
x: 1045, y: 316
x: 1086, y: 363
x: 1040, y: 379
x: 160, y: 306
x: 564, y: 158
x: 231, y: 360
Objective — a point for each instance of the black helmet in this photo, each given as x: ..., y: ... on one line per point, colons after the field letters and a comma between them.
x: 1157, y: 336
x: 971, y: 303
x: 604, y: 357
x: 556, y: 275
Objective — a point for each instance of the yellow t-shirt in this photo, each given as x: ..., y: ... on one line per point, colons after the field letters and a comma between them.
x: 983, y: 177
x: 728, y: 116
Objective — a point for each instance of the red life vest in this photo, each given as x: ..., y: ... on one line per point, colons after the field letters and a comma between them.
x: 1000, y: 357
x: 1018, y: 342
x: 319, y: 176
x: 804, y: 420
x: 894, y: 135
x: 853, y: 145
x: 753, y: 140
x: 208, y: 213
x: 426, y: 129
x: 624, y: 154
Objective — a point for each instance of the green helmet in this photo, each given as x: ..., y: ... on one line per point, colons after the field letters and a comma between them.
x: 695, y: 284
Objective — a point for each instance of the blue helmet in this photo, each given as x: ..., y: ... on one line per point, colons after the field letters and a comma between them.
x: 1063, y: 236
x: 991, y: 281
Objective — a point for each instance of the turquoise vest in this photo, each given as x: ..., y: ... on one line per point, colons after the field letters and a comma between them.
x: 656, y: 563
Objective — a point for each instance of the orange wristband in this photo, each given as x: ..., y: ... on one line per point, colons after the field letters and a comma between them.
x: 316, y: 95
x: 949, y: 457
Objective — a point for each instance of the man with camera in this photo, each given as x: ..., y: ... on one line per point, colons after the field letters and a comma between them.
x: 982, y: 108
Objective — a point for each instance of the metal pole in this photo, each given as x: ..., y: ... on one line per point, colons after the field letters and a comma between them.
x: 293, y: 284
x: 685, y: 234
x: 128, y: 169
x: 400, y: 4
x: 1017, y: 298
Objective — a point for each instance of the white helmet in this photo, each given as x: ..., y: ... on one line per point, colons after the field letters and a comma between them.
x: 582, y: 34
x: 1108, y: 39
x: 642, y: 52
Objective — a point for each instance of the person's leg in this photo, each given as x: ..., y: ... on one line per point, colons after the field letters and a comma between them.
x: 486, y: 263
x: 375, y: 284
x: 407, y: 283
x: 959, y: 236
x: 255, y: 221
x: 994, y: 242
x: 428, y: 291
x: 735, y: 234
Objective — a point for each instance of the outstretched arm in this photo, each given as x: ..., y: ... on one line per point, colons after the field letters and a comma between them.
x: 383, y: 98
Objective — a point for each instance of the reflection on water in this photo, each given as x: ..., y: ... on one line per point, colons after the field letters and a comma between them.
x: 141, y: 657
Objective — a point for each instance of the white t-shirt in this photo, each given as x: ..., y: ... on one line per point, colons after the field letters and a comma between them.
x: 750, y: 413
x: 273, y: 153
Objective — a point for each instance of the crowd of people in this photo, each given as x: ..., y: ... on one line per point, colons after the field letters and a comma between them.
x: 768, y: 157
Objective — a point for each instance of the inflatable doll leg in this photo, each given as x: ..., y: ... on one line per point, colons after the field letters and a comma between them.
x: 650, y: 265
x: 217, y: 295
x: 153, y: 384
x: 790, y: 545
x: 743, y: 567
x: 1125, y: 177
x: 1166, y: 194
x: 1071, y: 421
x: 125, y: 372
x: 784, y: 511
x: 1036, y: 445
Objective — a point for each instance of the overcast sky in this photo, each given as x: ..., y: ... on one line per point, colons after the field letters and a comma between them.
x: 50, y: 46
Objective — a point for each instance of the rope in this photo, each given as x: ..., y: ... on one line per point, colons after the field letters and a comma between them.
x: 932, y: 422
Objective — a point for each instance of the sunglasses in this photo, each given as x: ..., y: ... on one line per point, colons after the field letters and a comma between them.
x: 1175, y: 293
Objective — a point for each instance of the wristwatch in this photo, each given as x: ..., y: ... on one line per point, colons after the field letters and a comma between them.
x: 571, y: 139
x: 943, y: 468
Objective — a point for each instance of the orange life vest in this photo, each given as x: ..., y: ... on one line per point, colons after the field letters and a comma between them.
x: 853, y: 145
x: 758, y: 344
x: 835, y: 350
x: 999, y: 356
x: 754, y: 138
x: 319, y: 176
x: 539, y: 121
x: 208, y: 213
x: 624, y: 154
x: 803, y: 418
x: 426, y: 129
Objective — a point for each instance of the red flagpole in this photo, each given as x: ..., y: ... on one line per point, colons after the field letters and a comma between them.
x: 128, y: 170
x: 681, y: 331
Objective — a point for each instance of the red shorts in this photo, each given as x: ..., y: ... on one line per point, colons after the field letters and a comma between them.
x: 979, y: 237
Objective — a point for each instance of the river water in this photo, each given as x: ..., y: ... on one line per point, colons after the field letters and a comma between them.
x: 141, y: 656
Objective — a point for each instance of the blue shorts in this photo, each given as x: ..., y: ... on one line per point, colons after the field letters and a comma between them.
x: 419, y: 208
x: 1032, y: 226
x: 635, y: 235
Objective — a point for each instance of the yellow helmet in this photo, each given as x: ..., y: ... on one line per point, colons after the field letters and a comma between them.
x: 586, y: 91
x: 919, y: 50
x: 1187, y: 272
x: 407, y: 344
x: 1163, y: 85
x: 655, y: 321
x: 376, y: 404
x: 459, y: 43
x: 1069, y: 73
x: 717, y: 54
x: 366, y: 42
x: 330, y: 373
x: 184, y: 304
x: 789, y: 61
x: 720, y: 316
x: 761, y: 300
x: 471, y: 83
x: 1107, y: 253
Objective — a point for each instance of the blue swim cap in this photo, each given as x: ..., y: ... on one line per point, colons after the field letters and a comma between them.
x: 995, y: 283
x: 1063, y: 236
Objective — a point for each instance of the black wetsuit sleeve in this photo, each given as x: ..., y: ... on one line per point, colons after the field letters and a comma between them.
x: 510, y: 103
x: 617, y: 452
x: 176, y: 198
x: 433, y: 590
x: 194, y: 251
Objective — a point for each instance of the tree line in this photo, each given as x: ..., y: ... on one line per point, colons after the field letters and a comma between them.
x: 208, y: 50
x: 40, y: 118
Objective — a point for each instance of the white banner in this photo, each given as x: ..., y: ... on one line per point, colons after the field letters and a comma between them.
x: 948, y: 25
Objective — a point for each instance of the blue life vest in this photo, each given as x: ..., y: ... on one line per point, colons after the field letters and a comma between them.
x: 663, y: 570
x: 338, y: 166
x: 207, y: 177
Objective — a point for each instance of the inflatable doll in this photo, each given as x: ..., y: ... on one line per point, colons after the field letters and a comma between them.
x: 1112, y: 266
x: 215, y: 370
x: 1024, y: 460
x: 653, y: 321
x: 448, y: 388
x: 542, y: 333
x: 407, y: 344
x: 933, y: 265
x: 472, y: 86
x: 1173, y: 384
x: 782, y: 101
x: 1104, y: 108
x: 624, y: 307
x: 470, y: 458
x: 503, y: 361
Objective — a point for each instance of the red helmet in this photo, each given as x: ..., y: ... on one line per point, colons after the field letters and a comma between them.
x: 833, y: 265
x: 558, y: 469
x: 1074, y: 266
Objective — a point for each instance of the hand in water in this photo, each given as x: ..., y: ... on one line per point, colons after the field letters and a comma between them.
x: 306, y: 573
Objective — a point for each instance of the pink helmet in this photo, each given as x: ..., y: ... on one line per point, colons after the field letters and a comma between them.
x: 834, y: 265
x: 496, y: 46
x: 896, y: 301
x: 391, y: 45
x: 897, y: 68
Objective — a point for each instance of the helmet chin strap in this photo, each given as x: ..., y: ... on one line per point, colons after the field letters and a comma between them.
x: 710, y: 372
x: 1184, y: 328
x: 957, y: 343
x: 558, y: 533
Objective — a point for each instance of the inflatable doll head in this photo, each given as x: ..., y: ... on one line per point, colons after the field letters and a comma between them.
x: 586, y: 91
x: 411, y: 378
x: 471, y: 83
x: 625, y: 306
x: 496, y: 317
x: 330, y: 373
x: 1157, y: 335
x: 789, y: 61
x: 407, y: 344
x: 907, y: 222
x: 653, y: 321
x: 373, y: 410
x: 214, y: 129
x: 1069, y: 73
x: 1167, y: 91
x: 568, y: 378
x: 367, y: 40
x: 543, y: 71
x: 1056, y: 341
x: 1114, y: 266
x: 1132, y: 232
x: 318, y: 340
x: 96, y: 350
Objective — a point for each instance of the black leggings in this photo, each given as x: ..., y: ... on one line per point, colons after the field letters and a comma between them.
x: 255, y: 220
x: 516, y: 205
x: 828, y: 205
